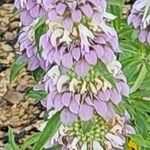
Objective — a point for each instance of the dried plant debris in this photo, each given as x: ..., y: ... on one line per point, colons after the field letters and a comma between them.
x: 23, y: 115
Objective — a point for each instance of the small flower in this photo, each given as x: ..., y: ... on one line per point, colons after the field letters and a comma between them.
x: 85, y: 49
x: 69, y: 12
x: 30, y: 10
x: 89, y: 93
x: 140, y: 18
x: 29, y: 49
x: 95, y: 134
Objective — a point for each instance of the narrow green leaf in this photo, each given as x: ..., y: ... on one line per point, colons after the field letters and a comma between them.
x: 17, y: 66
x: 12, y: 142
x: 40, y: 29
x: 38, y: 74
x: 105, y: 73
x: 140, y: 140
x: 30, y: 141
x: 139, y: 79
x: 39, y: 95
x: 119, y: 3
x: 50, y: 129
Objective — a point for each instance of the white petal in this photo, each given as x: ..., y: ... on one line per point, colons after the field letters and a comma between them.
x: 116, y: 141
x: 97, y: 146
x: 51, y: 113
x: 109, y: 16
x: 56, y: 34
x: 65, y: 37
x: 72, y: 85
x: 63, y: 79
x: 54, y: 72
x: 85, y: 31
x: 84, y: 146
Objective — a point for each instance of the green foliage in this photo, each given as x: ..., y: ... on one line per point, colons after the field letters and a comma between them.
x: 39, y: 30
x: 11, y: 143
x: 17, y: 66
x: 105, y: 73
x: 38, y: 74
x: 39, y: 95
x: 50, y: 129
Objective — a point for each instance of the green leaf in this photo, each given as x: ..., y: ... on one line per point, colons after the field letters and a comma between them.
x: 11, y: 140
x: 38, y: 74
x: 140, y: 140
x: 139, y: 79
x: 40, y: 29
x: 119, y: 3
x: 51, y: 127
x: 39, y: 95
x: 105, y: 73
x: 30, y: 141
x: 17, y: 66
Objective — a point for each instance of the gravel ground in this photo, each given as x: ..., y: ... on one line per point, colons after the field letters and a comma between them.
x: 21, y: 114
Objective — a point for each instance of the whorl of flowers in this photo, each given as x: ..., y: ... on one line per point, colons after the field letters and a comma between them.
x: 80, y: 94
x: 29, y: 48
x: 74, y: 46
x: 140, y: 18
x: 96, y: 134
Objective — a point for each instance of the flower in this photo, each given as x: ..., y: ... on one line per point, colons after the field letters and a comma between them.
x: 69, y: 12
x: 83, y: 95
x: 140, y: 18
x: 83, y: 47
x: 29, y: 49
x: 30, y: 10
x: 95, y: 134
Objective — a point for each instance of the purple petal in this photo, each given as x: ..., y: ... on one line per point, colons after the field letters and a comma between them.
x: 124, y: 88
x: 67, y: 118
x: 58, y: 105
x: 115, y: 96
x: 91, y: 57
x: 89, y: 101
x: 47, y: 3
x: 101, y: 107
x: 86, y: 112
x: 82, y: 68
x: 60, y: 8
x: 67, y: 60
x: 57, y: 57
x: 143, y: 36
x: 76, y: 16
x: 108, y: 55
x: 26, y: 18
x: 129, y: 129
x: 74, y: 107
x: 68, y: 24
x: 52, y: 15
x: 148, y: 38
x: 33, y: 63
x: 50, y: 101
x: 76, y: 53
x: 66, y: 97
x: 35, y: 11
x: 87, y: 10
x: 99, y: 50
x: 104, y: 96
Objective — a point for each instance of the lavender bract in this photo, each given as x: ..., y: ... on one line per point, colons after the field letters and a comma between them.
x: 30, y: 10
x: 140, y: 18
x: 79, y: 94
x: 96, y: 134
